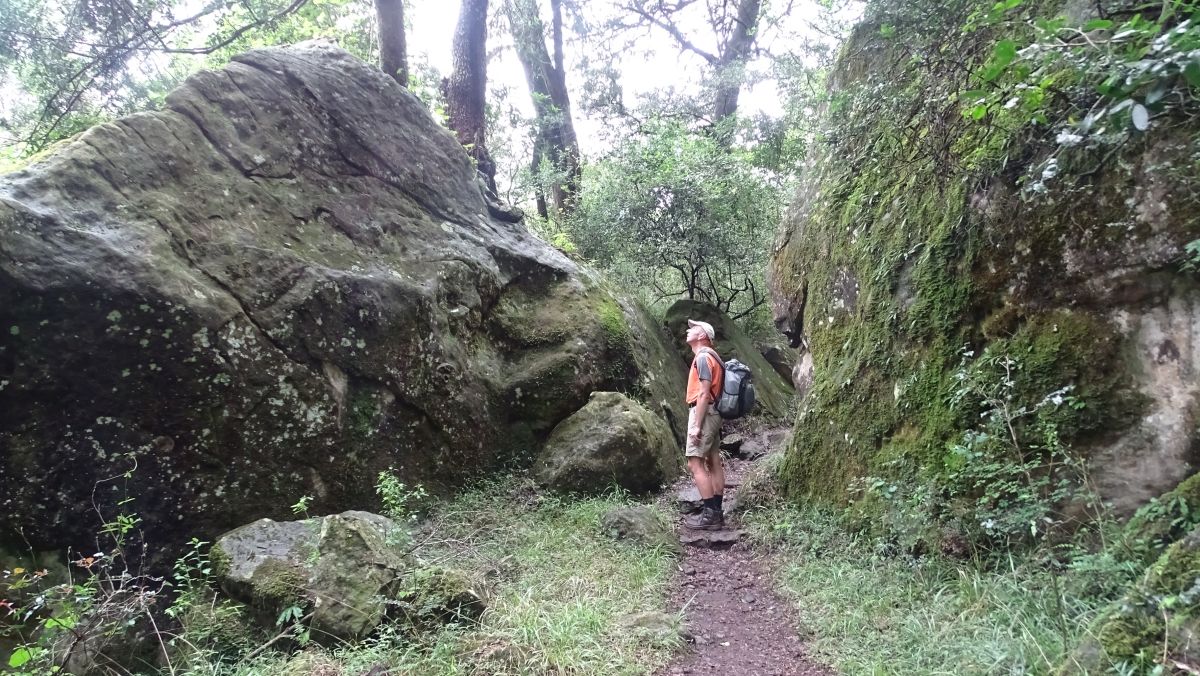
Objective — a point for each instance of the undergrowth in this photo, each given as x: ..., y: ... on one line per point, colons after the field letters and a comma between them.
x: 868, y: 612
x: 560, y: 589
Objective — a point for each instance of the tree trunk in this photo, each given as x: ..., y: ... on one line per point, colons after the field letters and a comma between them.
x: 393, y: 52
x: 467, y: 91
x: 555, y: 143
x: 729, y: 70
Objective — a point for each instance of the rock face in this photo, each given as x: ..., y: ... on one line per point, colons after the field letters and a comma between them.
x: 904, y: 262
x: 774, y: 394
x: 280, y: 284
x: 613, y: 441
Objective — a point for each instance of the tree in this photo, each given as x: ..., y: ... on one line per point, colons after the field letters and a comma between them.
x: 555, y: 148
x: 393, y: 50
x: 467, y: 87
x: 676, y: 212
x: 89, y: 60
x: 735, y: 27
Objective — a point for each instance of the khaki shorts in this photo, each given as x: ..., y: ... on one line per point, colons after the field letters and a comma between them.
x: 710, y: 435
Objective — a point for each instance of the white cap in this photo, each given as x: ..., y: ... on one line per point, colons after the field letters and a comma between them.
x: 708, y: 329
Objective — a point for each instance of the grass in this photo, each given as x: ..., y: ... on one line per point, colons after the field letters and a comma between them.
x: 867, y: 613
x: 562, y: 588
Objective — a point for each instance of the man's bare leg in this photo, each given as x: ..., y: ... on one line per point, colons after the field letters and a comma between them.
x: 702, y: 477
x: 716, y: 474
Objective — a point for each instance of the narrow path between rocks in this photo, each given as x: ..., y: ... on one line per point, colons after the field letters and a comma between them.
x: 736, y: 621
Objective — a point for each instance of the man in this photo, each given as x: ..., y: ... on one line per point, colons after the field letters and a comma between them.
x: 703, y: 447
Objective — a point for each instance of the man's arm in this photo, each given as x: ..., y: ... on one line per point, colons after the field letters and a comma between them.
x: 702, y: 405
x: 705, y: 376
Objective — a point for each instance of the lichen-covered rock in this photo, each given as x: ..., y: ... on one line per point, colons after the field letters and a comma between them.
x: 906, y: 254
x: 612, y: 441
x: 432, y: 596
x: 773, y: 392
x: 280, y: 284
x: 641, y: 525
x: 340, y: 568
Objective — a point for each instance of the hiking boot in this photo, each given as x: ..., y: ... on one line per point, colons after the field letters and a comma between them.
x: 707, y: 519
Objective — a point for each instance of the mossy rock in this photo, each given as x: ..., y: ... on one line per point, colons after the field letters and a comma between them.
x: 905, y: 252
x: 761, y: 486
x: 1164, y: 520
x: 338, y: 568
x: 612, y: 441
x: 1160, y: 614
x: 432, y: 596
x: 773, y: 393
x: 640, y: 525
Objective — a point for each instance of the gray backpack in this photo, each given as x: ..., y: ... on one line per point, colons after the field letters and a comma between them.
x: 737, y: 390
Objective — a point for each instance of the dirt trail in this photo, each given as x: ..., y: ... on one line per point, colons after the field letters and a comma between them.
x: 740, y: 626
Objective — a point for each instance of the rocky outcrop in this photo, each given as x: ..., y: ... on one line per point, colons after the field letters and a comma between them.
x: 907, y: 259
x: 774, y: 394
x: 339, y: 568
x: 344, y: 573
x: 612, y: 441
x: 279, y: 285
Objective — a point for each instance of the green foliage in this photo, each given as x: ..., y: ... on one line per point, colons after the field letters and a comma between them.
x: 400, y: 502
x: 680, y: 214
x: 301, y: 506
x: 79, y: 63
x: 1090, y: 83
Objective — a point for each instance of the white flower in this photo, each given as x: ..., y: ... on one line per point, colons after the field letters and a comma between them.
x: 1051, y: 169
x: 1068, y: 138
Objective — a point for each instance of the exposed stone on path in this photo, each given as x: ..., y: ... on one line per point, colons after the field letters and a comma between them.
x: 656, y: 625
x: 689, y: 500
x: 732, y: 442
x: 710, y: 539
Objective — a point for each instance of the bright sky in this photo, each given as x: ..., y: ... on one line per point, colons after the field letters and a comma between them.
x: 432, y: 28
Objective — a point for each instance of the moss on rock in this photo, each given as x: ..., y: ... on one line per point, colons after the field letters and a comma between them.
x: 1159, y: 617
x: 912, y: 243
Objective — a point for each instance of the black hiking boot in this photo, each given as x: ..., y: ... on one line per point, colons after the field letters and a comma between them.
x: 707, y: 519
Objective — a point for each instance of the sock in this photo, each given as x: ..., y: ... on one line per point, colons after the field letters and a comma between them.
x: 710, y: 503
x: 717, y: 501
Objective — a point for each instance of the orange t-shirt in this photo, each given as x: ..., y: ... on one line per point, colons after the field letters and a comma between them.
x: 706, y: 366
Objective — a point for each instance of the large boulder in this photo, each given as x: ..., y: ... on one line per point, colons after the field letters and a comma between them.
x: 280, y: 284
x: 612, y: 441
x: 774, y: 393
x: 909, y: 259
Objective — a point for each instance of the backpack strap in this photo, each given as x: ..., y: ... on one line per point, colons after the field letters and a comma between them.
x: 716, y: 357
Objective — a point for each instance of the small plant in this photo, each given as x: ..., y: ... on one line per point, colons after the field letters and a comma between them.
x: 400, y: 501
x: 302, y: 505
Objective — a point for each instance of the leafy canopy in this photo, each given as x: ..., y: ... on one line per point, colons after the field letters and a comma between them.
x: 680, y: 215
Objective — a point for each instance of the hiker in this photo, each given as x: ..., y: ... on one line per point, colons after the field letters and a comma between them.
x: 703, y: 446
